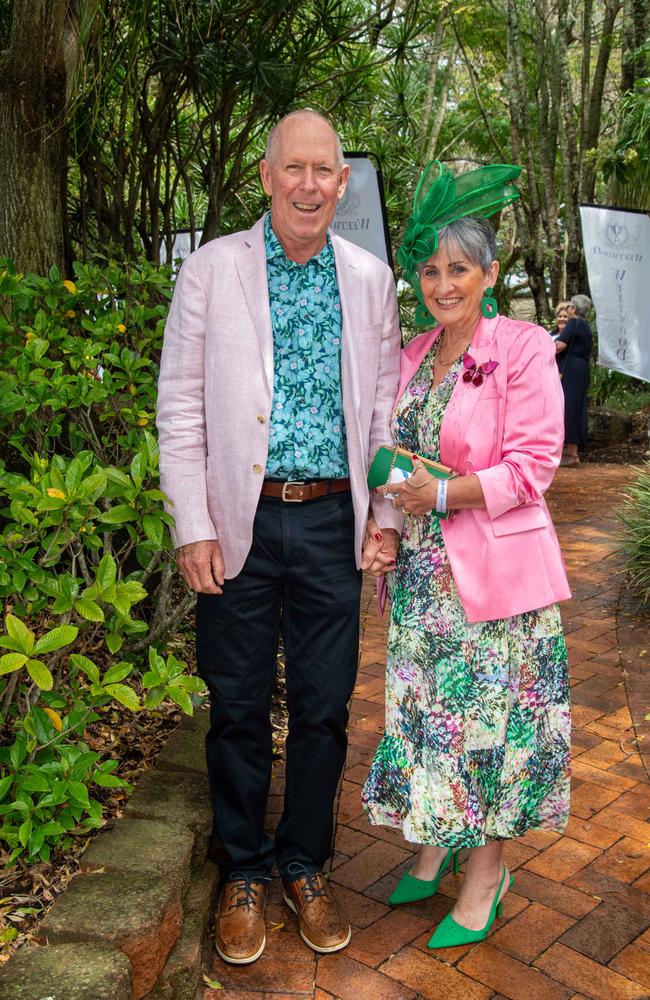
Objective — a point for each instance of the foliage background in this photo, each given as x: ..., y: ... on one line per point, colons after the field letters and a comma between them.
x: 158, y: 113
x: 123, y: 122
x: 87, y: 579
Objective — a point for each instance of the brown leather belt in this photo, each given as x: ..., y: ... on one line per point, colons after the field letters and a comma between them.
x: 296, y: 492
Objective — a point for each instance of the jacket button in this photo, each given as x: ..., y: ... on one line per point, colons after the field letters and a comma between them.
x: 261, y: 419
x: 257, y: 468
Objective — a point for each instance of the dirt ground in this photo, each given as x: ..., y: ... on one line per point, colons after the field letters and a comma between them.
x: 631, y: 452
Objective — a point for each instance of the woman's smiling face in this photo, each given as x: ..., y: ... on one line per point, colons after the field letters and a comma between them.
x: 453, y: 286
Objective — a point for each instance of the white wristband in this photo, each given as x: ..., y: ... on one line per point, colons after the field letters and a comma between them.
x: 441, y: 497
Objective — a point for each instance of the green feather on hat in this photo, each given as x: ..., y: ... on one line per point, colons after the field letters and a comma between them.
x: 441, y: 198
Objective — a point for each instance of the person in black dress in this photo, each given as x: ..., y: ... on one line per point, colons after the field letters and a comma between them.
x: 573, y: 348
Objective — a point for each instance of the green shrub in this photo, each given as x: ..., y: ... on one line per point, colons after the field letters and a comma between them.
x: 86, y: 567
x: 617, y: 391
x: 635, y: 543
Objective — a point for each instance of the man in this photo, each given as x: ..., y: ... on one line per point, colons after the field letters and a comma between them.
x: 278, y: 375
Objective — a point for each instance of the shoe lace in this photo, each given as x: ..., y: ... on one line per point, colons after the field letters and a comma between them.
x: 246, y: 892
x: 313, y: 886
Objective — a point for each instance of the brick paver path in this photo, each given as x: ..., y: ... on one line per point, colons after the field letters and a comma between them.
x: 577, y: 923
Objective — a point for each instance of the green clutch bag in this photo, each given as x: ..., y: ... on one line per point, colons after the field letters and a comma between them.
x: 393, y: 465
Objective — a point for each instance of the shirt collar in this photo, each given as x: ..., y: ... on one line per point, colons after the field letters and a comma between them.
x: 275, y: 251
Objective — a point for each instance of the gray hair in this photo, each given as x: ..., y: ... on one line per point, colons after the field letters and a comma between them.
x: 474, y: 237
x: 273, y: 139
x: 582, y: 304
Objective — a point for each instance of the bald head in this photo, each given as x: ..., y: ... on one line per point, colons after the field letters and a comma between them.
x: 304, y: 174
x: 293, y: 122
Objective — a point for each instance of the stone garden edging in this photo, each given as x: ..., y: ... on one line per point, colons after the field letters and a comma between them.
x: 134, y: 924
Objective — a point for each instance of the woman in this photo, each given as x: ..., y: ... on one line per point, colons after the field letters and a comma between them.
x: 573, y: 348
x: 476, y: 747
x: 561, y: 318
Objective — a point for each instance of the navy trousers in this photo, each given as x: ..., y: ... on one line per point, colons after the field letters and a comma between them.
x: 299, y: 580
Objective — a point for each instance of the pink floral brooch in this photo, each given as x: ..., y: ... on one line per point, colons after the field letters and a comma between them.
x: 475, y: 375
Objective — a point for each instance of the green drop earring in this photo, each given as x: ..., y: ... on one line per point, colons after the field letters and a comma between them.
x: 488, y: 304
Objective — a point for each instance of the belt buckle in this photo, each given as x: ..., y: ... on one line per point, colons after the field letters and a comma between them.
x: 292, y: 482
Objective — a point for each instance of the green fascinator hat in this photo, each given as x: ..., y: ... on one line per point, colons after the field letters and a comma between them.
x: 441, y: 198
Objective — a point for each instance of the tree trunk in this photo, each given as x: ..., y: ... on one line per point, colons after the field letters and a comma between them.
x: 592, y: 103
x: 442, y: 101
x: 635, y: 61
x: 34, y: 74
x: 529, y: 211
x: 571, y: 154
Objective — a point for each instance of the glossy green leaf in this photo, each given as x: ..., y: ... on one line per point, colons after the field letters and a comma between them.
x: 89, y: 609
x: 182, y: 699
x: 86, y: 666
x: 153, y: 528
x: 73, y: 476
x: 106, y: 572
x: 78, y: 792
x: 5, y: 785
x: 107, y: 780
x: 57, y: 638
x: 19, y: 631
x: 11, y: 661
x: 117, y: 673
x: 40, y: 674
x: 119, y: 514
x: 114, y: 641
x: 25, y: 831
x: 36, y: 783
x: 125, y: 695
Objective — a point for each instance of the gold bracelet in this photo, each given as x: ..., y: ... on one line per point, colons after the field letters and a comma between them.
x: 418, y: 486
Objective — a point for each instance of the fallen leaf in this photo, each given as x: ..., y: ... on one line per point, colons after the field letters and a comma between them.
x: 56, y: 719
x: 214, y: 984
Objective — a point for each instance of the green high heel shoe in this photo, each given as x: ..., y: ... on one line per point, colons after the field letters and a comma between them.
x: 411, y: 889
x: 449, y: 934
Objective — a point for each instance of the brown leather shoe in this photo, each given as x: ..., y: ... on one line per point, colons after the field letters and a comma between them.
x: 323, y: 925
x: 240, y: 936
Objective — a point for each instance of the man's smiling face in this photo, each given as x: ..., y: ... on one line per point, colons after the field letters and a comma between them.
x: 305, y: 181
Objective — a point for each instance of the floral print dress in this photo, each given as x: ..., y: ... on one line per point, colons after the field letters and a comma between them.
x: 477, y: 738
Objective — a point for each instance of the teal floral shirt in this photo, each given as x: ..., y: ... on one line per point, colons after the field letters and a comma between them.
x: 307, y: 431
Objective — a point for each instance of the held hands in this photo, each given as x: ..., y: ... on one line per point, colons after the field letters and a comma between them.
x: 379, y: 549
x: 202, y: 566
x: 416, y: 495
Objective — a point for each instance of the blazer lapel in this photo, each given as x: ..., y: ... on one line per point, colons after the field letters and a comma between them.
x: 460, y: 409
x: 251, y: 267
x: 346, y: 277
x: 412, y: 355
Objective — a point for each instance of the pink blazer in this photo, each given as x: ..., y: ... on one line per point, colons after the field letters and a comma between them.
x: 509, y: 432
x: 216, y: 387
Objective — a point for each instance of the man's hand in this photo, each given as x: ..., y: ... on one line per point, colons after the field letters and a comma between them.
x: 379, y: 549
x: 201, y: 564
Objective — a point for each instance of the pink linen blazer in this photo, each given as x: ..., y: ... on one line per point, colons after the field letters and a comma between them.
x: 216, y: 387
x: 509, y: 432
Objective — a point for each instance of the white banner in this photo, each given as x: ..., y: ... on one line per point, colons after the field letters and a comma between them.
x: 181, y: 246
x: 617, y: 251
x: 360, y: 216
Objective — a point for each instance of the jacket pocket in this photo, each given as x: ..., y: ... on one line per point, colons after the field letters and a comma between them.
x: 525, y: 518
